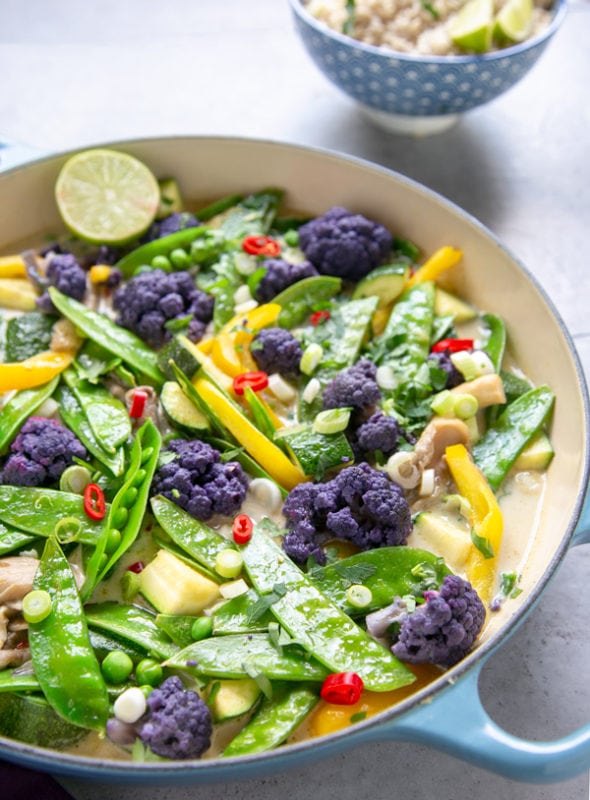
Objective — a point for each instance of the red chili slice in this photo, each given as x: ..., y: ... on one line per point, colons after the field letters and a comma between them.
x: 94, y: 502
x: 342, y: 689
x: 242, y: 529
x: 318, y: 317
x: 137, y: 567
x: 452, y: 345
x: 261, y: 246
x: 138, y: 403
x: 257, y: 381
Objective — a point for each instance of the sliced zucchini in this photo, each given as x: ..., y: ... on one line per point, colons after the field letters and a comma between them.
x: 386, y: 283
x: 31, y: 719
x: 170, y: 198
x: 172, y: 587
x: 536, y: 455
x: 316, y: 452
x: 447, y: 304
x: 180, y: 410
x: 230, y: 698
x: 178, y: 350
x: 447, y: 537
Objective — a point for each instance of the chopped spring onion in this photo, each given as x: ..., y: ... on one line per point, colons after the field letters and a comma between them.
x: 281, y: 388
x: 443, y: 403
x: 427, y: 483
x: 386, y: 378
x: 228, y: 563
x: 466, y: 406
x: 332, y: 420
x: 312, y: 355
x: 359, y: 596
x: 75, y: 479
x: 36, y: 605
x: 472, y: 365
x: 401, y: 468
x: 311, y: 391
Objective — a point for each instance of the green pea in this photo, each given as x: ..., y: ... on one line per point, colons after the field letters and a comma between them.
x: 291, y: 238
x: 147, y: 690
x: 139, y: 477
x: 180, y: 258
x: 120, y: 517
x: 162, y: 262
x: 202, y: 628
x: 113, y: 540
x: 146, y: 454
x: 149, y: 672
x: 117, y: 666
x: 129, y: 496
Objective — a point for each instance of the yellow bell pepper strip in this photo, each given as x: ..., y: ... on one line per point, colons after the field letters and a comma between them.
x: 267, y: 454
x: 12, y: 267
x: 485, y: 519
x: 34, y: 371
x: 225, y: 355
x: 18, y: 294
x: 201, y: 353
x: 244, y: 326
x: 440, y: 261
x: 230, y: 348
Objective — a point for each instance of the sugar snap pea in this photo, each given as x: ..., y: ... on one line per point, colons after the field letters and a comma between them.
x: 127, y: 509
x: 274, y: 721
x: 63, y: 659
x: 237, y: 655
x: 316, y: 622
x: 131, y: 624
x: 500, y: 446
x: 144, y: 255
x: 46, y: 511
x: 20, y: 406
x: 111, y: 337
x: 73, y: 415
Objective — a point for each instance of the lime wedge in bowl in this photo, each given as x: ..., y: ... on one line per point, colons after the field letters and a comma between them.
x: 514, y: 21
x: 106, y: 197
x: 471, y: 28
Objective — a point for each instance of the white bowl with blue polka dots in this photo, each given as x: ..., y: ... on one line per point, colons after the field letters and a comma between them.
x: 417, y: 94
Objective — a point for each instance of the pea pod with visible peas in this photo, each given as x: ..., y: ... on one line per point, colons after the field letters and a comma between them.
x: 110, y: 336
x: 326, y: 632
x: 500, y: 446
x: 63, y: 659
x: 127, y: 509
x: 197, y: 244
x: 20, y: 407
x: 274, y: 721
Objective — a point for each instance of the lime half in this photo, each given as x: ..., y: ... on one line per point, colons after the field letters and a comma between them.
x: 514, y: 21
x: 106, y: 197
x: 471, y: 28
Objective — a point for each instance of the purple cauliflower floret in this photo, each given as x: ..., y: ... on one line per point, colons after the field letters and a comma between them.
x: 197, y: 480
x: 40, y: 453
x: 360, y: 505
x: 355, y: 387
x: 443, y: 629
x: 277, y: 350
x: 379, y: 433
x: 173, y: 223
x: 279, y: 275
x: 443, y: 361
x: 179, y: 722
x: 65, y: 273
x: 344, y: 244
x: 151, y: 299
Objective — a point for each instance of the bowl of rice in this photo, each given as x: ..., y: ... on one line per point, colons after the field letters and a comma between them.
x: 414, y: 66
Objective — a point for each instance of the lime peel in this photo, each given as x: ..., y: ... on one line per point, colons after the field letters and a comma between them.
x: 106, y: 196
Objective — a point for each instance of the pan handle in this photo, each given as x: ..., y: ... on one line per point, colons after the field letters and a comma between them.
x: 456, y: 723
x: 582, y: 531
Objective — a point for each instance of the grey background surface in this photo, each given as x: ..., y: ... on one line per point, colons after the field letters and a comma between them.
x: 74, y: 74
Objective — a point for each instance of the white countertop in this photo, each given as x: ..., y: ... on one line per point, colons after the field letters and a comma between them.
x: 76, y: 74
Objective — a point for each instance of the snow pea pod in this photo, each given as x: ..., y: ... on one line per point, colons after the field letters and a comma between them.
x: 131, y: 624
x: 496, y: 339
x: 238, y: 655
x: 110, y: 336
x: 299, y: 300
x: 20, y: 406
x: 405, y: 343
x: 500, y: 446
x: 200, y: 541
x: 12, y: 539
x: 13, y: 681
x: 274, y: 721
x: 63, y: 659
x: 235, y: 616
x: 128, y: 507
x: 106, y: 414
x: 316, y: 622
x: 40, y: 511
x: 143, y: 256
x: 73, y: 415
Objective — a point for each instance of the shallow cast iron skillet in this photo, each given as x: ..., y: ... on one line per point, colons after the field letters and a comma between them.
x: 447, y: 714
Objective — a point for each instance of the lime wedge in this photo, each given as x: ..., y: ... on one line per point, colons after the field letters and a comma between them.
x: 106, y: 197
x: 471, y: 28
x: 514, y: 21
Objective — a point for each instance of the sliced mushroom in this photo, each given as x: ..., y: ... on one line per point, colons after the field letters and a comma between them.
x: 488, y: 390
x: 16, y: 577
x: 14, y: 658
x: 440, y: 433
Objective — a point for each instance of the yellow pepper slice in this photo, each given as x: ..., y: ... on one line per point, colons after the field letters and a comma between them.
x: 12, y: 267
x: 225, y: 355
x: 440, y: 261
x: 230, y: 347
x: 247, y: 324
x: 267, y: 454
x: 200, y: 353
x: 17, y: 293
x: 34, y: 371
x: 485, y: 518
